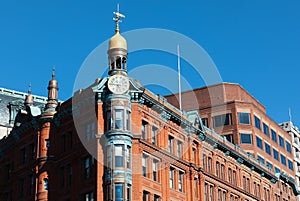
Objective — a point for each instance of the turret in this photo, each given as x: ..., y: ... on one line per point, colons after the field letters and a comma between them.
x: 52, y: 101
x: 117, y: 50
x: 29, y: 99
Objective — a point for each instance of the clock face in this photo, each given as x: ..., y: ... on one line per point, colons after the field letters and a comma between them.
x: 118, y: 84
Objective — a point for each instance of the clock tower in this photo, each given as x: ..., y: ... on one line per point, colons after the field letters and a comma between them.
x: 114, y: 95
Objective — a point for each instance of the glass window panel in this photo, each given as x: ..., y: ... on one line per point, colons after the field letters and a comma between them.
x: 274, y: 135
x: 268, y: 148
x: 119, y: 191
x: 275, y: 154
x: 246, y: 138
x: 257, y: 122
x: 118, y: 155
x: 283, y: 159
x: 119, y: 119
x: 259, y: 142
x: 266, y: 129
x: 244, y: 118
x: 281, y: 141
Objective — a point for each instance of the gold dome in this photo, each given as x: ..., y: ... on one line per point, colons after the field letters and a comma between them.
x: 117, y: 41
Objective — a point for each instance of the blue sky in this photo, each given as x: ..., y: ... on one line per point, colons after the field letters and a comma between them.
x: 252, y: 42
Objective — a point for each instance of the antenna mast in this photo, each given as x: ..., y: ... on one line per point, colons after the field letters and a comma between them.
x: 179, y: 80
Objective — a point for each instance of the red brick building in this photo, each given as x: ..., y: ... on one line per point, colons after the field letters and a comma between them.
x: 116, y: 140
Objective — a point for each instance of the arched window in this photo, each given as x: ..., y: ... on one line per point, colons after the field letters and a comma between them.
x: 46, y: 184
x: 119, y: 63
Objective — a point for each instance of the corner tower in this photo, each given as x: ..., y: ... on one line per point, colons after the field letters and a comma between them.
x: 117, y: 114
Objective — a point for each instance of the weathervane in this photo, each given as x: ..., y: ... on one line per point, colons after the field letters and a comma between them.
x: 118, y: 17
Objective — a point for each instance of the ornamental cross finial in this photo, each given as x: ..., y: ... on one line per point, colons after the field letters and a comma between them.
x: 118, y: 17
x: 29, y: 88
x: 53, y: 72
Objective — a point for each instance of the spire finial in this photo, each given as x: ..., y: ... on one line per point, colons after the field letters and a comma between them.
x: 29, y: 88
x: 53, y: 72
x: 118, y: 17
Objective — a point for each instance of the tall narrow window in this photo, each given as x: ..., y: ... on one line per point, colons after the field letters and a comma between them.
x: 275, y: 154
x: 206, y: 192
x: 204, y: 164
x: 119, y: 119
x: 281, y: 141
x: 128, y: 194
x: 87, y: 168
x: 211, y: 195
x: 229, y: 175
x: 248, y: 185
x: 180, y: 181
x: 179, y: 149
x: 172, y: 170
x: 128, y: 157
x: 119, y: 156
x: 266, y: 129
x: 196, y: 191
x: 283, y: 159
x: 170, y: 144
x: 209, y: 164
x: 47, y: 142
x: 234, y: 177
x: 46, y: 187
x: 257, y: 122
x: 224, y: 196
x: 153, y: 135
x: 259, y: 142
x: 204, y: 121
x: 144, y: 129
x: 267, y: 148
x: 288, y: 146
x: 146, y: 196
x: 144, y: 165
x: 119, y: 192
x: 194, y: 154
x: 127, y: 120
x: 109, y: 120
x: 88, y: 196
x: 217, y: 169
x: 156, y: 198
x: 222, y: 172
x: 274, y: 135
x: 155, y: 170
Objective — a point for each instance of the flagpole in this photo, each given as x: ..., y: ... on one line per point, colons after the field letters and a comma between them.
x: 179, y: 80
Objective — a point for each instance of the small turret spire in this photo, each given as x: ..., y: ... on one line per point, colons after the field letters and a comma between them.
x: 53, y: 72
x: 29, y: 98
x: 52, y: 101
